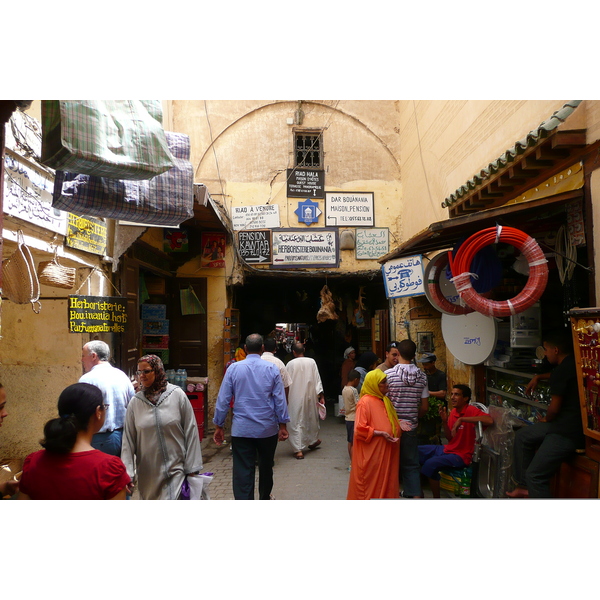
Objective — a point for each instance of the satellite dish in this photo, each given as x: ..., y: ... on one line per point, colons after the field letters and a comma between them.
x: 470, y: 338
x: 447, y: 288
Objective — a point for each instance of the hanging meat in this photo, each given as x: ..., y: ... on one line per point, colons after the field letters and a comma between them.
x: 327, y: 310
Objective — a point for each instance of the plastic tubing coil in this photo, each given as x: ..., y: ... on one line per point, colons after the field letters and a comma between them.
x: 529, y: 295
x: 437, y: 265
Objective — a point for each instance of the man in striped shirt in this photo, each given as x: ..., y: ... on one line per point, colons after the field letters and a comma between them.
x: 409, y: 393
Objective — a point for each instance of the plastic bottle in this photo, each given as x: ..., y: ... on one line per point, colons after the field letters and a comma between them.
x: 183, y: 379
x: 171, y: 375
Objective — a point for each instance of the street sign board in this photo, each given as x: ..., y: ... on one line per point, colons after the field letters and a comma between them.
x: 305, y: 183
x: 255, y: 246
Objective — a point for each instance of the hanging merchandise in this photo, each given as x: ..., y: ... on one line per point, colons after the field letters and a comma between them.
x: 190, y: 303
x: 121, y: 139
x: 53, y: 274
x: 327, y: 310
x: 486, y: 266
x: 538, y: 271
x: 435, y: 270
x: 20, y: 280
x: 358, y: 318
x: 167, y: 199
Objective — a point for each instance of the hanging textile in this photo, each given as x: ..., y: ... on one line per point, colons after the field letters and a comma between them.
x: 122, y: 139
x: 167, y: 199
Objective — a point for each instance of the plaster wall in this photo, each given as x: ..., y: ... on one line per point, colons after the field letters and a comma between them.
x: 39, y: 358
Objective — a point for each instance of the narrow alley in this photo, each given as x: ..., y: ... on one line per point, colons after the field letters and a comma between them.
x: 322, y: 475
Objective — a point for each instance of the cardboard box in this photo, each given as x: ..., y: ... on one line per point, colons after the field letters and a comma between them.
x: 155, y: 327
x: 154, y: 311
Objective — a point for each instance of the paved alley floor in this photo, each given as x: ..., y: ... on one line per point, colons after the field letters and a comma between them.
x: 322, y: 475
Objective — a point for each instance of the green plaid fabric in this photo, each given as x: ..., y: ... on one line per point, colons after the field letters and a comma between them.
x: 120, y: 139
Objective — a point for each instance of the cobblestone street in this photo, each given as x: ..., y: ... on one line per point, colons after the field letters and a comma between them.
x: 322, y: 475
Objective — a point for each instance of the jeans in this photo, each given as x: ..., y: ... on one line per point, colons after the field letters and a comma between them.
x: 433, y: 458
x: 108, y: 442
x: 409, y: 464
x: 538, y: 454
x: 245, y: 451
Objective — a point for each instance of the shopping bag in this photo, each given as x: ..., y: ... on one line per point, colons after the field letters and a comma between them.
x: 121, y: 139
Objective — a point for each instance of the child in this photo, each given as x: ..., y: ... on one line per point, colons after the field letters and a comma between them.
x: 350, y: 396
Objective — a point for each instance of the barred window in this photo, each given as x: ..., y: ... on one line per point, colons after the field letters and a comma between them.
x: 308, y: 148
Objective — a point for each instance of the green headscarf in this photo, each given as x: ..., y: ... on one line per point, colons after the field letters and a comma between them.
x: 370, y: 386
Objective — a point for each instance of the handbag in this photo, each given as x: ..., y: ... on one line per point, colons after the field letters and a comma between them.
x: 54, y: 274
x: 20, y: 280
x: 121, y: 139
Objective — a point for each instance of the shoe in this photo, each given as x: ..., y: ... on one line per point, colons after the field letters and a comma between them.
x: 313, y: 446
x: 299, y: 455
x: 518, y: 493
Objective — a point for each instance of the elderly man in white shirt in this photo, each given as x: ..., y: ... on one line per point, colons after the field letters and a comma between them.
x: 117, y: 391
x: 270, y: 346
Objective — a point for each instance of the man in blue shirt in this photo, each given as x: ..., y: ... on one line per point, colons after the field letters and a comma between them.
x: 259, y: 419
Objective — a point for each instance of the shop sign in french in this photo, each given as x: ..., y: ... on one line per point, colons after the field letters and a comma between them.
x: 349, y: 209
x: 87, y: 234
x: 305, y: 183
x: 404, y: 277
x: 255, y: 246
x: 97, y: 314
x: 302, y: 248
x: 263, y: 216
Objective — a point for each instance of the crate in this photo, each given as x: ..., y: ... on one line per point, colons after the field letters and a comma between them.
x: 457, y: 481
x: 154, y: 311
x: 155, y: 341
x: 155, y: 327
x: 196, y: 400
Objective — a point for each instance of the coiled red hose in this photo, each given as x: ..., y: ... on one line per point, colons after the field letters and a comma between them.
x: 436, y: 266
x: 529, y: 295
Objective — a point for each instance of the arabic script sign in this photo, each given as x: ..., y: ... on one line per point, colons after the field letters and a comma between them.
x: 372, y: 243
x: 301, y: 248
x: 28, y: 194
x: 404, y: 277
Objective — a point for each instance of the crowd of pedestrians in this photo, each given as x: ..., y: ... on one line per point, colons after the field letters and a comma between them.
x: 109, y: 439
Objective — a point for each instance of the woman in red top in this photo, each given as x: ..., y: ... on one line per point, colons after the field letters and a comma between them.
x: 69, y: 468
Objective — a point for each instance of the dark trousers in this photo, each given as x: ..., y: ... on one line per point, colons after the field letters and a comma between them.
x: 245, y: 451
x: 537, y: 457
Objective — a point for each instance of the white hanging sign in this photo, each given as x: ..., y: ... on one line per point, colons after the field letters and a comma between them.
x: 263, y: 216
x: 404, y: 277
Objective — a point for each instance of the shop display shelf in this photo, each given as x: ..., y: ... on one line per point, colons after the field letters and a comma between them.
x: 539, y: 405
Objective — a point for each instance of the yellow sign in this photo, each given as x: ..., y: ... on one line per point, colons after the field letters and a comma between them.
x: 87, y: 234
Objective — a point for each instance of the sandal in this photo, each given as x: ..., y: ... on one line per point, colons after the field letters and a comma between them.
x: 298, y: 455
x: 313, y: 446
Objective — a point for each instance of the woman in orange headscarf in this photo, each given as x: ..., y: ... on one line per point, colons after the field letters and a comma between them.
x: 376, y: 450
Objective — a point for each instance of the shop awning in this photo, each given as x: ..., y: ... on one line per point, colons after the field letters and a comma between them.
x: 445, y: 234
x: 544, y: 151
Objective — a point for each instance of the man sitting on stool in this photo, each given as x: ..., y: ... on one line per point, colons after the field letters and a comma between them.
x: 459, y: 429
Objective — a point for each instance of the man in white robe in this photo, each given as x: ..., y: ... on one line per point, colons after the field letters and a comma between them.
x: 306, y: 390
